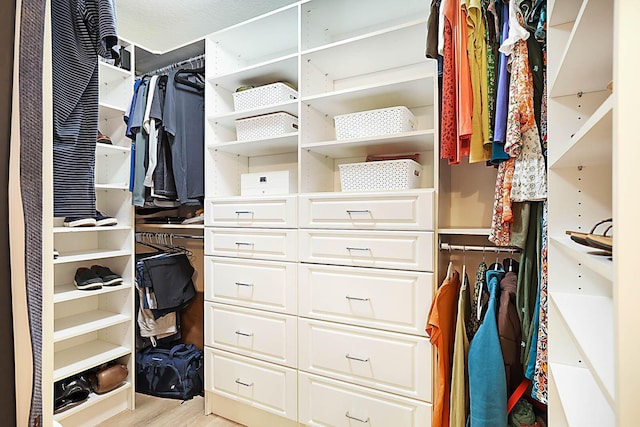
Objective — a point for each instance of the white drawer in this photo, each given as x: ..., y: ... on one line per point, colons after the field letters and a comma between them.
x: 326, y: 402
x: 276, y: 212
x: 273, y: 244
x: 383, y: 211
x: 386, y: 361
x: 386, y: 249
x: 267, y: 285
x: 382, y: 299
x: 266, y: 386
x: 268, y: 336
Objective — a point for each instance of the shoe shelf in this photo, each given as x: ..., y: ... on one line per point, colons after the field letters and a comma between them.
x: 89, y: 321
x: 590, y: 33
x: 68, y: 292
x: 152, y: 227
x: 79, y: 358
x: 110, y: 186
x: 57, y: 230
x: 406, y: 142
x: 588, y: 257
x: 588, y: 316
x: 581, y: 397
x: 590, y: 144
x: 93, y: 399
x: 109, y: 111
x: 96, y: 254
x: 110, y: 74
x: 106, y: 149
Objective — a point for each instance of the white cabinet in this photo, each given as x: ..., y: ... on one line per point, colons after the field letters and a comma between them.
x: 92, y: 327
x: 349, y: 268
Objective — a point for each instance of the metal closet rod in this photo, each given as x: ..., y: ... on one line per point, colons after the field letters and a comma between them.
x: 195, y: 59
x: 147, y: 234
x: 496, y: 249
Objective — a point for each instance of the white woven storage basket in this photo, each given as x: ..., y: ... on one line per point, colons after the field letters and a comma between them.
x: 266, y: 126
x: 384, y: 175
x: 384, y: 121
x: 274, y: 93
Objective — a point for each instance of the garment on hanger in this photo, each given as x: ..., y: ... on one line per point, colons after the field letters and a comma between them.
x: 498, y: 154
x: 441, y: 329
x: 449, y: 143
x: 487, y: 380
x: 459, y: 375
x: 540, y: 376
x: 80, y: 31
x: 479, y: 298
x: 432, y: 30
x: 509, y: 329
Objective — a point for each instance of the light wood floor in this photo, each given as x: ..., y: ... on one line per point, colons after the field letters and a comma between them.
x: 158, y: 412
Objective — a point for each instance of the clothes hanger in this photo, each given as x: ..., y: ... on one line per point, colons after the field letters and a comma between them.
x: 180, y: 77
x: 464, y: 262
x: 450, y: 268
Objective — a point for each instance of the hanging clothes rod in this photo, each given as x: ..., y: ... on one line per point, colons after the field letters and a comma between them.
x: 195, y: 62
x: 165, y: 236
x: 496, y: 249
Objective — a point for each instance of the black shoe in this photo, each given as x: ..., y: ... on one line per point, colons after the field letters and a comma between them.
x: 102, y: 220
x: 109, y: 278
x: 69, y: 393
x: 87, y: 279
x: 74, y: 221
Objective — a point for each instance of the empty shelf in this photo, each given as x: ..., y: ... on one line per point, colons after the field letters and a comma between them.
x: 89, y: 321
x: 77, y: 359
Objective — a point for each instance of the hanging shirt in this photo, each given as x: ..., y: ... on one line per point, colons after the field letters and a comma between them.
x: 459, y: 376
x: 449, y: 143
x: 509, y: 327
x: 441, y: 328
x: 540, y: 376
x: 502, y: 100
x: 487, y: 380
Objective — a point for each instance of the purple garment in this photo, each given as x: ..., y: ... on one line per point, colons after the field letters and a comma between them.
x: 498, y: 154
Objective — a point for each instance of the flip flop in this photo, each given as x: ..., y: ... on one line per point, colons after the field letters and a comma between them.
x: 601, y: 242
x: 581, y: 237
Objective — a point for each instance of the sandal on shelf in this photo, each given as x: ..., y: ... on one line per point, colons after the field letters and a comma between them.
x: 581, y: 237
x: 603, y: 242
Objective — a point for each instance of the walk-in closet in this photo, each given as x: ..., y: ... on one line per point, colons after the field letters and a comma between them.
x: 333, y: 212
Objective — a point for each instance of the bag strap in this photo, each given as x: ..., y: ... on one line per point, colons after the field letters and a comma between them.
x: 517, y: 394
x: 176, y: 349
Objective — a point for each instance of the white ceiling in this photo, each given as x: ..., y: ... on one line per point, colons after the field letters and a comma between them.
x: 161, y: 25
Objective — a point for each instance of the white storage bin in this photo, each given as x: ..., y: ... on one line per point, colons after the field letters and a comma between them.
x: 279, y: 182
x: 266, y: 126
x: 260, y: 96
x: 384, y: 121
x: 384, y: 175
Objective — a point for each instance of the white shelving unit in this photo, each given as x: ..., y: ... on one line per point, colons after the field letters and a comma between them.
x: 269, y: 258
x: 92, y: 327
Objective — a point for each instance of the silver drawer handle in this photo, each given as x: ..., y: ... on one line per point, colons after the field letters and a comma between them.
x: 364, y: 211
x: 357, y: 419
x: 244, y: 244
x: 244, y: 384
x: 357, y: 249
x: 356, y: 358
x: 356, y: 298
x: 244, y: 334
x: 243, y: 284
x: 244, y: 212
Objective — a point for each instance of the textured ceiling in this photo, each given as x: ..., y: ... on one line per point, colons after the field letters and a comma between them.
x: 160, y: 25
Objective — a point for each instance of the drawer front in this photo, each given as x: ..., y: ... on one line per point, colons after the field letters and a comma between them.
x: 267, y: 285
x: 273, y: 244
x: 263, y: 385
x: 385, y: 249
x: 268, y: 336
x: 326, y: 402
x: 386, y: 361
x: 277, y: 212
x: 382, y: 299
x: 382, y: 211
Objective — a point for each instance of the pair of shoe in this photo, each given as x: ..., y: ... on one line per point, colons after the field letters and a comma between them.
x: 97, y: 221
x: 70, y: 392
x: 103, y: 139
x: 96, y: 277
x: 595, y: 240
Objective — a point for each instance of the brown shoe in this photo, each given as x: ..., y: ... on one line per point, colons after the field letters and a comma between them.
x: 103, y: 139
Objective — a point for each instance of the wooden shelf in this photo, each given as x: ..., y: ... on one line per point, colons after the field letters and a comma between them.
x: 580, y: 396
x: 284, y: 69
x: 141, y: 226
x: 68, y: 292
x: 85, y: 356
x: 61, y: 230
x: 563, y: 11
x: 287, y: 143
x: 591, y: 33
x: 93, y: 399
x: 89, y: 256
x: 80, y: 324
x: 108, y: 111
x: 105, y: 149
x: 591, y: 144
x: 411, y: 92
x: 118, y: 186
x: 109, y: 73
x: 599, y: 264
x: 590, y: 319
x: 229, y: 119
x: 465, y: 231
x: 406, y: 142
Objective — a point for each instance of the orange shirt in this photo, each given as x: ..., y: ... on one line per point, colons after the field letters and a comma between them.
x: 441, y: 326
